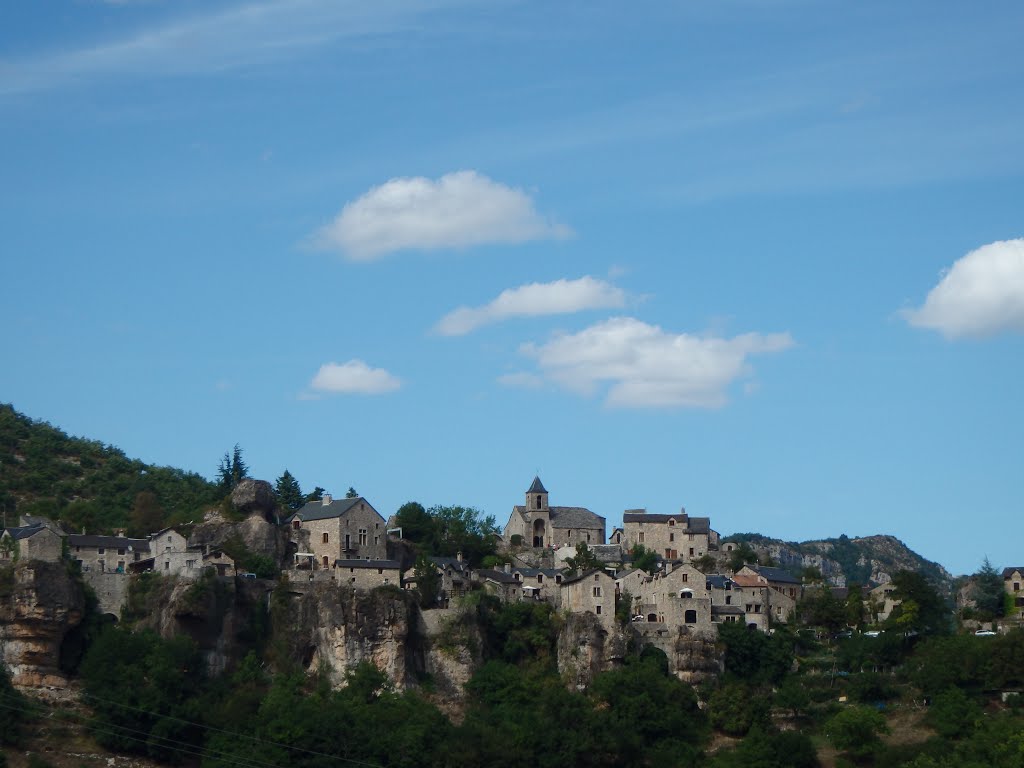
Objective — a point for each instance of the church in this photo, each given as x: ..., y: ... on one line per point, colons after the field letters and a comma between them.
x: 537, y: 524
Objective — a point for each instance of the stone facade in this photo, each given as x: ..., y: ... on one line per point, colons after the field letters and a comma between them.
x: 537, y: 524
x: 672, y: 537
x: 590, y: 592
x: 345, y: 529
x: 1013, y: 583
x: 107, y: 554
x: 367, y: 574
x: 35, y: 542
x: 677, y: 598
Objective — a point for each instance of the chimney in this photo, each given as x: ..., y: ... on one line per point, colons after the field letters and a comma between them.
x: 458, y: 556
x: 508, y: 567
x: 326, y: 499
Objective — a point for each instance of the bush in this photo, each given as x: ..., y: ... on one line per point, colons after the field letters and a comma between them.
x: 856, y: 731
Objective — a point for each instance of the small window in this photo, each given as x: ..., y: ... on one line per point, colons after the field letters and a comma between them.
x: 686, y: 577
x: 690, y: 617
x: 691, y: 551
x: 691, y: 536
x: 167, y: 565
x: 671, y: 522
x: 295, y: 524
x: 671, y: 537
x: 120, y: 551
x: 728, y: 599
x: 100, y: 551
x: 540, y: 578
x: 598, y: 609
x: 597, y: 591
x: 362, y: 536
x: 326, y: 537
x: 640, y: 537
x: 380, y: 571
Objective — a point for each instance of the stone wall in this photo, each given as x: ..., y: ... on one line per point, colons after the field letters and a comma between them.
x: 111, y: 590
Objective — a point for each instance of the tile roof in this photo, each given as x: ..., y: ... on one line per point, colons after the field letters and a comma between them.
x: 569, y: 517
x: 25, y: 531
x: 537, y: 486
x: 687, y: 523
x: 499, y: 576
x: 774, y: 574
x: 450, y: 562
x: 717, y: 580
x: 1008, y: 572
x: 317, y: 510
x: 585, y: 574
x: 109, y: 542
x: 385, y: 564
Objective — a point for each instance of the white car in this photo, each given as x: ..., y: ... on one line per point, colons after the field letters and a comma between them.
x: 985, y: 633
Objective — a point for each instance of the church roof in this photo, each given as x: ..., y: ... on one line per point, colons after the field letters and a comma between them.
x: 537, y: 486
x: 568, y: 517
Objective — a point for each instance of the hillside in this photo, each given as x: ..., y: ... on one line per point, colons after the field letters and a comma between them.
x: 85, y: 483
x: 842, y: 560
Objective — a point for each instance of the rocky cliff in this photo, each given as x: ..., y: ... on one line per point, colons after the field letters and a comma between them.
x: 39, y: 604
x: 843, y: 560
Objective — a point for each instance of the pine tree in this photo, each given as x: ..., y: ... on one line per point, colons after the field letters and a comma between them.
x: 232, y: 470
x: 288, y: 492
x: 352, y: 493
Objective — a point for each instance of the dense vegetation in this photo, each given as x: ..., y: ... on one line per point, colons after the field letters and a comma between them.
x: 86, y: 484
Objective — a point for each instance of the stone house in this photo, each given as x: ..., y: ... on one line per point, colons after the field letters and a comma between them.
x: 367, y: 574
x: 221, y: 561
x: 456, y: 577
x: 31, y: 542
x: 540, y: 583
x: 678, y: 598
x: 503, y: 584
x: 880, y: 601
x: 732, y: 601
x: 537, y: 524
x: 106, y: 554
x: 590, y: 592
x: 331, y: 530
x: 673, y: 537
x: 778, y: 579
x: 1013, y: 583
x: 779, y: 606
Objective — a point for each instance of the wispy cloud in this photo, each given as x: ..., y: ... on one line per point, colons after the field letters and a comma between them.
x: 981, y: 295
x: 240, y: 36
x: 353, y: 378
x: 646, y: 367
x: 556, y: 298
x: 458, y: 210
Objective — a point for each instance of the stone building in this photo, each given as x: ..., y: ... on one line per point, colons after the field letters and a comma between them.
x: 501, y: 583
x: 456, y: 578
x: 740, y: 599
x: 1013, y: 583
x: 331, y: 530
x: 540, y: 584
x: 779, y: 598
x: 673, y: 537
x: 367, y: 574
x: 590, y: 592
x: 537, y: 524
x: 678, y: 598
x: 31, y: 542
x: 107, y: 554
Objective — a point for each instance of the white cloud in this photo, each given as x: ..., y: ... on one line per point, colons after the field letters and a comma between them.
x: 521, y: 380
x: 644, y: 366
x: 560, y: 297
x: 981, y: 295
x: 458, y: 210
x: 354, y: 378
x: 221, y: 40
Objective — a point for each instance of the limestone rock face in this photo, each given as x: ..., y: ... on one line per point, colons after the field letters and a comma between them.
x: 455, y: 652
x: 39, y: 604
x: 254, y: 496
x: 586, y: 648
x: 332, y: 629
x: 260, y: 536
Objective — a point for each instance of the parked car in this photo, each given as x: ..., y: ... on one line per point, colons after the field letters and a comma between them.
x: 872, y: 633
x: 985, y: 633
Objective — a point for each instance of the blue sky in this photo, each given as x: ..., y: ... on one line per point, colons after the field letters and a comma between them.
x: 761, y: 259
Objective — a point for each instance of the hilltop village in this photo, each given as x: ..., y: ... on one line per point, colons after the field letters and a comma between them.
x: 669, y: 574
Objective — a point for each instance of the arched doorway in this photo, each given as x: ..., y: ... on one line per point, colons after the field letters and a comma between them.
x: 538, y: 533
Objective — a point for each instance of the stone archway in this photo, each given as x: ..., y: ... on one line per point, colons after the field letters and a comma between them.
x: 538, y: 533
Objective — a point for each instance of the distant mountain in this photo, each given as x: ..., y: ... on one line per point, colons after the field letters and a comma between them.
x: 85, y: 483
x: 843, y: 561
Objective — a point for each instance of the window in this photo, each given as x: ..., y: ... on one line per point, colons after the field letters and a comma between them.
x: 380, y: 571
x: 596, y: 577
x: 538, y: 500
x: 325, y: 538
x: 597, y: 591
x: 778, y: 610
x: 100, y: 550
x: 691, y: 551
x: 167, y: 565
x: 690, y: 535
x: 757, y: 608
x: 295, y: 524
x: 102, y: 566
x: 540, y: 578
x: 671, y: 522
x: 686, y: 577
x: 120, y: 551
x: 598, y: 607
x: 78, y: 549
x: 640, y: 537
x: 362, y: 535
x: 1016, y: 586
x: 671, y: 537
x: 376, y: 540
x: 326, y: 561
x: 728, y: 599
x: 690, y: 617
x: 190, y: 563
x: 686, y: 595
x: 169, y: 539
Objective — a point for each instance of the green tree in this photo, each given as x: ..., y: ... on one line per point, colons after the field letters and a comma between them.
x: 583, y: 560
x: 416, y: 523
x: 316, y: 495
x: 15, y: 709
x: 821, y: 608
x: 644, y: 559
x: 741, y: 555
x: 988, y: 592
x: 922, y: 609
x: 289, y: 494
x: 856, y: 731
x: 466, y: 530
x: 351, y: 493
x: 428, y: 581
x: 147, y: 516
x: 232, y: 470
x: 953, y: 714
x: 736, y: 706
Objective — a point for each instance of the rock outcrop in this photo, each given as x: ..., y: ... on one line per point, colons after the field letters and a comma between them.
x: 586, y: 648
x: 255, y: 533
x: 39, y: 604
x: 254, y: 496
